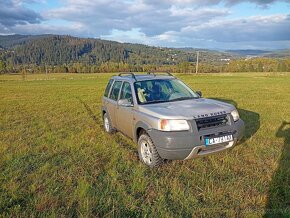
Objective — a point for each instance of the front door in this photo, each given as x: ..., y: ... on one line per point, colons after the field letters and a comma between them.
x: 124, y: 114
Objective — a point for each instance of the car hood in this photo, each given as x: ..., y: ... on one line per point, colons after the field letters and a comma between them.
x: 187, y: 109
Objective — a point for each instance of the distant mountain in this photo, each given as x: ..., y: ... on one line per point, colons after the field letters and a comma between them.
x: 261, y: 53
x: 221, y: 54
x: 278, y: 54
x: 247, y: 52
x: 8, y: 41
x: 61, y: 49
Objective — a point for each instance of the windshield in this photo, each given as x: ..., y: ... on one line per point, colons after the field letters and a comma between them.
x: 155, y: 91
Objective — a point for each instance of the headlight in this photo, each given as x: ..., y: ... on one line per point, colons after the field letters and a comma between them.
x: 235, y: 115
x: 173, y: 125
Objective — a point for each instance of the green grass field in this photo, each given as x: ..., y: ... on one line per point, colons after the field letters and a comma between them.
x: 55, y: 158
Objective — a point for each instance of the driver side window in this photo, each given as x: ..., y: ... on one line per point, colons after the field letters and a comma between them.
x: 126, y: 92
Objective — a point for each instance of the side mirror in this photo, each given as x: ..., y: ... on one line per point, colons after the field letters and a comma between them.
x: 125, y: 103
x: 199, y: 93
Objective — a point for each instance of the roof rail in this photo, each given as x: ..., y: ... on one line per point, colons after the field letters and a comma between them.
x: 158, y: 71
x: 132, y: 74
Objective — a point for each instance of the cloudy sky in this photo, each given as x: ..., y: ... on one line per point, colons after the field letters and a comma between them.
x: 215, y: 24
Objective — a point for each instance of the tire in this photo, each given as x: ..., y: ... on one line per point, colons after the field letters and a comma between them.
x: 147, y: 151
x: 107, y: 124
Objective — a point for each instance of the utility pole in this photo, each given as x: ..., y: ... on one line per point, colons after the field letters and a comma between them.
x: 46, y: 71
x: 196, y: 68
x: 24, y: 73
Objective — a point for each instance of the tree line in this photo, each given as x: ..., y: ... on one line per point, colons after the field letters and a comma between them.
x: 253, y: 65
x: 66, y: 54
x: 58, y: 50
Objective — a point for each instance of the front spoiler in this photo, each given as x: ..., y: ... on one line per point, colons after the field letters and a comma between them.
x: 200, y: 150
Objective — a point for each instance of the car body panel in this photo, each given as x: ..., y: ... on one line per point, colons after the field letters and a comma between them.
x: 124, y: 120
x: 189, y: 108
x: 111, y: 107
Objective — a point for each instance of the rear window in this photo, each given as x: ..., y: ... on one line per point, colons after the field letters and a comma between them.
x: 108, y: 88
x: 115, y: 90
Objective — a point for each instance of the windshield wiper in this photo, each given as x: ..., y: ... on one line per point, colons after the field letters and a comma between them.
x: 157, y: 101
x: 183, y: 98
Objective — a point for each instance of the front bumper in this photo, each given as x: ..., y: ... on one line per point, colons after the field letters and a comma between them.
x: 191, y: 144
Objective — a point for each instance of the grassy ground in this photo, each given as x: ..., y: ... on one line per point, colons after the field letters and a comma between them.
x: 56, y: 160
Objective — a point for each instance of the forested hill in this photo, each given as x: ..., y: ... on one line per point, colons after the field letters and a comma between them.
x: 59, y: 49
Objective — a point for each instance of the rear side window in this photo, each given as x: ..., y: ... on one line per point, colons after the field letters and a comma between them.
x: 108, y: 88
x: 115, y: 90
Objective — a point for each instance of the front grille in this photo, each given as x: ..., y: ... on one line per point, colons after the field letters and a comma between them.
x: 209, y: 122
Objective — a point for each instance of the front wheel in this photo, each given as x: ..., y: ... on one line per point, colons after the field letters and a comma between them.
x: 147, y: 151
x: 107, y: 124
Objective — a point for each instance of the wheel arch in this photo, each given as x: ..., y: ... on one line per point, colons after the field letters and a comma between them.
x: 139, y: 127
x: 104, y: 111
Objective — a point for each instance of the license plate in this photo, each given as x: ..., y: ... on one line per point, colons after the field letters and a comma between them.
x: 218, y: 140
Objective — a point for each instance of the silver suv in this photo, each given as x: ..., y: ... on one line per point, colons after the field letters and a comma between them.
x: 167, y: 119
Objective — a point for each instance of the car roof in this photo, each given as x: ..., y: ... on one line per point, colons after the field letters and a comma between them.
x: 131, y: 77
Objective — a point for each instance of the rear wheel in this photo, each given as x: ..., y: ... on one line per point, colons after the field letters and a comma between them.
x: 147, y: 151
x: 107, y: 124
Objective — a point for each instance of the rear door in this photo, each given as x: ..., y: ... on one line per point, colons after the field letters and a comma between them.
x: 124, y: 114
x: 111, y: 104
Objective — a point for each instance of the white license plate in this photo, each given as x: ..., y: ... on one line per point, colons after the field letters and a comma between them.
x: 218, y: 140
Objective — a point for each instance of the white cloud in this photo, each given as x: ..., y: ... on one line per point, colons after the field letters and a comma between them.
x: 104, y: 16
x: 257, y: 28
x: 213, y: 2
x: 13, y: 13
x: 197, y: 23
x: 264, y: 32
x: 38, y: 29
